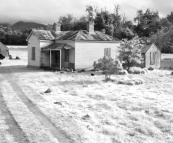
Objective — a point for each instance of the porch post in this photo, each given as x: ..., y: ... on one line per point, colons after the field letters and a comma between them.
x: 50, y: 58
x: 60, y: 59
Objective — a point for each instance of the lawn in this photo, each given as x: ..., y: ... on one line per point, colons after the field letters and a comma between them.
x: 85, y: 108
x: 107, y: 111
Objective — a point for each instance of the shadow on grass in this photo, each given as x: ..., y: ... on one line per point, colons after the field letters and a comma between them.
x: 18, y: 69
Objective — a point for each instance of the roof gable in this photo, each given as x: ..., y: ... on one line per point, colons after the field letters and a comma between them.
x: 42, y: 34
x: 147, y: 47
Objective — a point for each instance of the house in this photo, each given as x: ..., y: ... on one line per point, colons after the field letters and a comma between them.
x: 4, y: 52
x: 152, y: 56
x: 69, y: 49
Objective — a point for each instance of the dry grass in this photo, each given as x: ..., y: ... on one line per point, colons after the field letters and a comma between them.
x: 5, y: 137
x: 118, y: 113
x: 26, y: 120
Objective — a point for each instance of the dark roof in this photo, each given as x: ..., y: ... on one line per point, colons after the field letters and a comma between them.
x: 43, y: 34
x: 146, y: 48
x: 56, y: 46
x: 84, y: 35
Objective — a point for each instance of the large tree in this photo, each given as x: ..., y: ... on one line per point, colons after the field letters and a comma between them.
x: 148, y: 22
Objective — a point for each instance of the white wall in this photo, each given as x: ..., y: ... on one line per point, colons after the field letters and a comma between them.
x: 88, y: 52
x: 34, y: 42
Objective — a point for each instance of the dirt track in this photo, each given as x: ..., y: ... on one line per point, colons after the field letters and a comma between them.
x: 14, y: 129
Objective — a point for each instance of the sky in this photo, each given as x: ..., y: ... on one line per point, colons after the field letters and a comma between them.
x: 49, y: 11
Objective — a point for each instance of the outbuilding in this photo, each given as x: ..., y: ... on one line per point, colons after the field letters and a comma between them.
x: 4, y: 52
x: 152, y: 56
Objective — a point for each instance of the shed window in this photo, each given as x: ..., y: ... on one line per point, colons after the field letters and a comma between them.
x: 67, y: 55
x: 33, y: 53
x: 152, y: 58
x: 107, y: 52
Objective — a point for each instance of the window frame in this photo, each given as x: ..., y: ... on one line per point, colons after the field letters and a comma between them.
x: 33, y: 57
x: 153, y: 58
x: 107, y: 52
x: 67, y: 53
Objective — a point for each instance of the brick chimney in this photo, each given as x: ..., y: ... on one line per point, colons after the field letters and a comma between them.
x: 56, y: 27
x: 90, y: 27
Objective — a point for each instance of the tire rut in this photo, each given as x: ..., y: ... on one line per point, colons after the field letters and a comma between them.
x: 14, y: 128
x: 45, y: 121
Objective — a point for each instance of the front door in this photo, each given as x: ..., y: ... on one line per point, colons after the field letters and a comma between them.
x: 56, y: 59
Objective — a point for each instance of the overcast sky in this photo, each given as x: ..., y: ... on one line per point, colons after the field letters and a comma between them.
x: 48, y: 11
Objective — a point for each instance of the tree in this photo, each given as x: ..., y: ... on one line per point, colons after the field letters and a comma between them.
x: 148, y: 23
x: 164, y: 22
x: 130, y: 53
x: 108, y: 65
x: 170, y: 17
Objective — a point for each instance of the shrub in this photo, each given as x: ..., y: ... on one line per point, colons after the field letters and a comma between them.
x: 130, y: 53
x: 136, y: 81
x: 108, y: 65
x: 135, y: 70
x: 150, y: 68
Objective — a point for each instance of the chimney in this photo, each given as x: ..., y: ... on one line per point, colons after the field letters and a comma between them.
x: 103, y: 31
x: 56, y: 27
x: 90, y: 27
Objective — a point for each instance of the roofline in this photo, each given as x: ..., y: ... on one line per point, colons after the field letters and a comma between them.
x: 29, y: 36
x: 96, y: 41
x: 152, y: 45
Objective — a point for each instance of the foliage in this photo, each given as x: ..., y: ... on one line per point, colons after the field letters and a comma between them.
x: 148, y: 22
x: 130, y: 53
x: 164, y: 39
x: 135, y: 70
x: 108, y: 65
x: 13, y: 37
x: 170, y: 17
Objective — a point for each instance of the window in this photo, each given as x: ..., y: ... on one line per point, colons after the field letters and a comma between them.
x: 107, y: 52
x: 152, y: 58
x: 33, y: 53
x: 67, y: 55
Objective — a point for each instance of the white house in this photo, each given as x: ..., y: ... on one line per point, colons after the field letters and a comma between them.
x: 70, y: 49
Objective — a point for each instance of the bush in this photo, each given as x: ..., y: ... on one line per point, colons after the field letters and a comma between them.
x: 108, y: 65
x: 150, y: 68
x: 136, y: 81
x: 135, y: 70
x: 130, y: 53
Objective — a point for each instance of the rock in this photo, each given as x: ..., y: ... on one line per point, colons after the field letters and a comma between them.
x: 86, y: 117
x: 10, y: 57
x: 123, y: 72
x: 17, y: 58
x: 92, y: 74
x: 59, y: 103
x: 48, y: 90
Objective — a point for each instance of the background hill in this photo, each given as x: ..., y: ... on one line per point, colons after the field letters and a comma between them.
x: 27, y: 25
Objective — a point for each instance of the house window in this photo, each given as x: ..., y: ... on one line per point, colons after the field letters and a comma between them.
x: 107, y: 52
x: 152, y: 58
x: 33, y: 53
x: 67, y: 55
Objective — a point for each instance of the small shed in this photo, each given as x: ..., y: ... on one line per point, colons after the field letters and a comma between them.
x: 152, y: 56
x: 4, y: 52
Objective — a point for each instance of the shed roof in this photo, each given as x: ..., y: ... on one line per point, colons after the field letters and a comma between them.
x: 146, y: 48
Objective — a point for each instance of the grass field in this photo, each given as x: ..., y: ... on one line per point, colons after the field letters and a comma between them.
x: 82, y: 108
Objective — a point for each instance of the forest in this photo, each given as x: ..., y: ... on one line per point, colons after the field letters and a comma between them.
x: 147, y: 25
